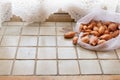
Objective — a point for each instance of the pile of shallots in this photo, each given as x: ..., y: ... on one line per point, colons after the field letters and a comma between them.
x: 95, y: 32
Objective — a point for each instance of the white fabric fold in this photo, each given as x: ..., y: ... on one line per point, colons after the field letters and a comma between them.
x: 40, y: 10
x: 5, y: 11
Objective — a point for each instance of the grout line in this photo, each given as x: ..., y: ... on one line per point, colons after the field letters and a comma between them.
x: 78, y: 59
x: 3, y: 35
x: 41, y: 35
x: 36, y: 46
x: 66, y: 75
x: 70, y: 75
x: 1, y: 40
x: 57, y: 59
x: 45, y: 75
x: 99, y: 63
x: 116, y: 54
x: 35, y: 66
x: 21, y: 23
x: 31, y: 35
x: 16, y: 50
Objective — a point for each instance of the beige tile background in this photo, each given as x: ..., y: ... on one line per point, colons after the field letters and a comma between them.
x: 40, y: 49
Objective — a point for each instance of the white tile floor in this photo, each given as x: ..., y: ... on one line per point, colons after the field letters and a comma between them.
x: 64, y: 42
x: 40, y: 49
x: 68, y: 67
x: 46, y: 53
x: 86, y: 54
x: 7, y: 52
x: 107, y: 55
x: 12, y: 31
x: 47, y: 31
x: 110, y: 66
x: 23, y: 67
x: 30, y: 30
x: 10, y: 41
x: 90, y: 67
x: 6, y: 66
x: 46, y: 67
x: 66, y: 53
x: 26, y: 53
x: 28, y: 41
x: 47, y: 41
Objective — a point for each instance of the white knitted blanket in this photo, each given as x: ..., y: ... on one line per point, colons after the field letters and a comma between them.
x: 40, y: 10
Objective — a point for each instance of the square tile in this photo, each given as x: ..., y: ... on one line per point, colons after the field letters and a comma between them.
x: 66, y: 53
x: 63, y: 24
x: 28, y: 41
x: 15, y: 23
x: 110, y: 66
x: 46, y: 53
x: 47, y: 24
x: 90, y: 67
x: 10, y: 41
x: 36, y: 24
x: 2, y: 30
x: 7, y: 52
x: 47, y: 31
x: 86, y: 54
x: 47, y: 41
x: 30, y: 30
x: 26, y: 53
x: 68, y: 67
x: 23, y: 67
x: 5, y: 67
x: 107, y: 55
x: 46, y: 67
x: 64, y: 42
x: 118, y: 52
x: 12, y: 30
x: 62, y: 30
